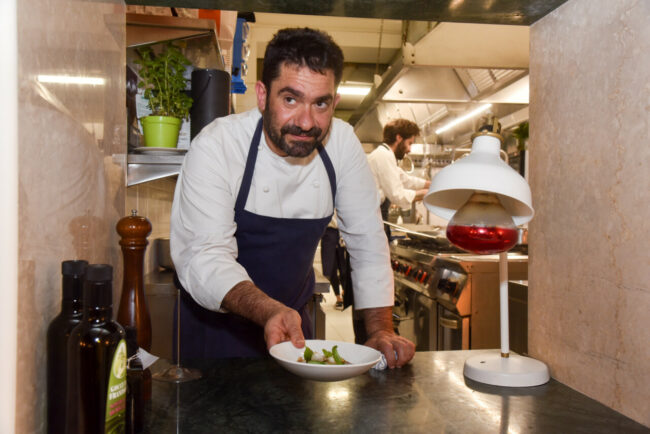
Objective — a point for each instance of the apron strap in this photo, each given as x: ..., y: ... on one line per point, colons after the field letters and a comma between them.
x: 330, y: 171
x: 250, y: 166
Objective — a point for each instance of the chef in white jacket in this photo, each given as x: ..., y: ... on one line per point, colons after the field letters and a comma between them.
x: 255, y: 193
x: 396, y: 186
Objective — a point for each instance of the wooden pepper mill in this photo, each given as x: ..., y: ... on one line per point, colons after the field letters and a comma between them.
x: 133, y: 309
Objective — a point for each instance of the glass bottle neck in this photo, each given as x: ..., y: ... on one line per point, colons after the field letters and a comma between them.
x: 99, y: 314
x: 98, y: 301
x: 72, y: 307
x: 71, y: 302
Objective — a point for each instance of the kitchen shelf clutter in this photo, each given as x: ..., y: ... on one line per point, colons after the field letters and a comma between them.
x: 199, y: 42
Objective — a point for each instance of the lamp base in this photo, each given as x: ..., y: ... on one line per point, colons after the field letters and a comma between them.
x: 513, y: 371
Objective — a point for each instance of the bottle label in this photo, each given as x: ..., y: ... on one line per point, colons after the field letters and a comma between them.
x: 116, y: 399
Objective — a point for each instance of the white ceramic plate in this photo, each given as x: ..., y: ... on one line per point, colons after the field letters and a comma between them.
x: 160, y: 151
x: 361, y: 359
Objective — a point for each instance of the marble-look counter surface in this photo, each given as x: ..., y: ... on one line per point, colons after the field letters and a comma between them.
x: 429, y: 395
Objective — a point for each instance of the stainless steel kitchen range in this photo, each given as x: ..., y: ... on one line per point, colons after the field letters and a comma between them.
x: 447, y: 298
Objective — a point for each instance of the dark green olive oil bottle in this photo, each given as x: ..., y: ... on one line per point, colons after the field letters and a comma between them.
x: 97, y: 358
x: 58, y: 334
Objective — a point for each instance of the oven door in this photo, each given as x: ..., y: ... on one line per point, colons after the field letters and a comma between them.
x: 415, y: 317
x: 403, y: 311
x: 425, y: 322
x: 450, y: 330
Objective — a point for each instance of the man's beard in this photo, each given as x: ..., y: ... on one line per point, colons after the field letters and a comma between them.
x: 299, y: 148
x: 400, y: 150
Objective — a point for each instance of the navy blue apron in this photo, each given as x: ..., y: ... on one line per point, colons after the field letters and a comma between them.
x: 278, y: 254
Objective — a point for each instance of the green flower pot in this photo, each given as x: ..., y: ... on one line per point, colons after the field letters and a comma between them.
x: 161, y: 131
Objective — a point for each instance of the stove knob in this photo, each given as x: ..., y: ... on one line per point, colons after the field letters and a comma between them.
x: 417, y: 274
x: 408, y: 270
x: 423, y: 278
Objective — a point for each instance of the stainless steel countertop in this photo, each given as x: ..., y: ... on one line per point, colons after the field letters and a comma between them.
x: 430, y: 395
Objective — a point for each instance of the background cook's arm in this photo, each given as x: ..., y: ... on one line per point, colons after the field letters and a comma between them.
x: 421, y: 186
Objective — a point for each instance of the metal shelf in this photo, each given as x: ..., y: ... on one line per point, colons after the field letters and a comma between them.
x: 201, y: 47
x: 145, y: 168
x: 142, y: 30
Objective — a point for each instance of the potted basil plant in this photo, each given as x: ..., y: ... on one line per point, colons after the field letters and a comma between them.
x: 161, y: 77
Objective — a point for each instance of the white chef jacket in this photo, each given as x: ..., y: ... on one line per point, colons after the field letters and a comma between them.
x: 202, y: 241
x: 392, y: 182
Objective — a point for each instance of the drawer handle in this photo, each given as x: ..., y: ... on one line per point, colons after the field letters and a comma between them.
x: 450, y: 323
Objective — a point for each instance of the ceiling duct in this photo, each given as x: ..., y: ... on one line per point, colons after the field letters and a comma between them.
x: 446, y: 73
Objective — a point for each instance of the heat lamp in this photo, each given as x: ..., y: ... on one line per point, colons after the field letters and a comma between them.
x: 485, y: 200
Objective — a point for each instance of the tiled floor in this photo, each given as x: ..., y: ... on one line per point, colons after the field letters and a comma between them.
x: 338, y: 324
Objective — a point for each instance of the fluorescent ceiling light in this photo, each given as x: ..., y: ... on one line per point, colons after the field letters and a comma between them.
x: 68, y: 79
x: 516, y: 93
x: 353, y: 90
x: 463, y: 118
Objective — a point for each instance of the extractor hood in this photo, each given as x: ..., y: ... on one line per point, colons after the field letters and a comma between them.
x: 451, y: 70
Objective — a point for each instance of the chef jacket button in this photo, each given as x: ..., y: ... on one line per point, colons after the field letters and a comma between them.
x: 315, y: 183
x: 265, y: 189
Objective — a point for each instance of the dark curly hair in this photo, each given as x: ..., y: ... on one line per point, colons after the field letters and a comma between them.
x: 403, y: 127
x: 303, y: 47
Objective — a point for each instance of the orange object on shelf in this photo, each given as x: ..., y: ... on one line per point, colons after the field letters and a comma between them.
x: 212, y: 14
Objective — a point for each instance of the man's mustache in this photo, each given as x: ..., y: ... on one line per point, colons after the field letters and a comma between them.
x: 297, y: 131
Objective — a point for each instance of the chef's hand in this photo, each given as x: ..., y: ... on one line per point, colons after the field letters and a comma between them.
x: 284, y: 325
x: 397, y: 350
x: 280, y: 322
x: 379, y: 326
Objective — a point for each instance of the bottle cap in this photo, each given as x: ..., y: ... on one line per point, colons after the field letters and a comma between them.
x: 99, y: 273
x: 131, y: 340
x: 98, y: 286
x: 74, y: 268
x: 73, y: 277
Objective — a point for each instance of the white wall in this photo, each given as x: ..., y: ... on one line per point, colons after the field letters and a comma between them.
x: 589, y: 275
x: 8, y: 214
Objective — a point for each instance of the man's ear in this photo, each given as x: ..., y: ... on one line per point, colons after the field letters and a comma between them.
x: 337, y: 99
x: 260, y: 90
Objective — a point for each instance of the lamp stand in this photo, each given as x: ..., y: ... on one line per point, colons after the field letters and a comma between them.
x: 505, y: 368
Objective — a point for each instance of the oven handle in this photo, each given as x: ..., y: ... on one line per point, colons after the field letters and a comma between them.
x: 449, y: 323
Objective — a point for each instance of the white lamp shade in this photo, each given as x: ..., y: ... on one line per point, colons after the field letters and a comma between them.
x: 482, y: 170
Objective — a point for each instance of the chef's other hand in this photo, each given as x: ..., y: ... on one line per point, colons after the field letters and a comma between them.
x: 284, y: 325
x: 392, y: 345
x: 397, y: 350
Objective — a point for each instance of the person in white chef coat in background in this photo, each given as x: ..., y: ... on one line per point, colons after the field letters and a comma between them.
x: 396, y: 186
x: 255, y: 193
